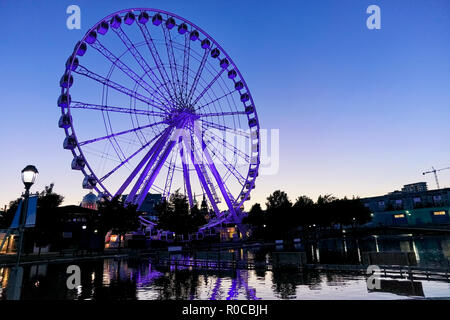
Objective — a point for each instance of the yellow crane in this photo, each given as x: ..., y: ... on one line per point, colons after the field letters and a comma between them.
x: 435, y: 174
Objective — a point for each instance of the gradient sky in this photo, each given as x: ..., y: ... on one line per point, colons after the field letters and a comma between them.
x: 360, y: 112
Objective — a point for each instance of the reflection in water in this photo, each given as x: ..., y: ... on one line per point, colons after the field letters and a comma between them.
x: 401, y: 287
x: 133, y: 279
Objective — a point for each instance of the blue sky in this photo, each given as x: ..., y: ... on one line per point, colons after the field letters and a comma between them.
x: 360, y: 112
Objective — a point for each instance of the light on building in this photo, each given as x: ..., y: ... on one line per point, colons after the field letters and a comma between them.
x: 83, y: 227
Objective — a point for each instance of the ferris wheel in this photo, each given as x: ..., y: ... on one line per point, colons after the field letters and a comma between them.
x: 151, y: 103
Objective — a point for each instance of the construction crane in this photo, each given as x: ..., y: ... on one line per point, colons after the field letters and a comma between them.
x: 435, y: 174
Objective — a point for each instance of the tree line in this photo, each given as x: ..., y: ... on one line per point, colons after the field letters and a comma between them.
x: 283, y: 218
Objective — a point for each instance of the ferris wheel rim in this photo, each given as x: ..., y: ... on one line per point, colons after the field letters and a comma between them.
x: 89, y: 172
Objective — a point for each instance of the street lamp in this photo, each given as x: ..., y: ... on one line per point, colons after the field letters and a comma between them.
x: 29, y: 174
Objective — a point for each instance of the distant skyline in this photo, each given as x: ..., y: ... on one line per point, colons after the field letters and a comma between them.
x: 360, y: 112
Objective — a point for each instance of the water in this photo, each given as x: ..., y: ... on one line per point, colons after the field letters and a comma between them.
x: 141, y: 280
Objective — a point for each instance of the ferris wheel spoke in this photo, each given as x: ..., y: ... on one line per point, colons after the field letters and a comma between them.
x: 140, y: 60
x: 198, y: 74
x: 222, y: 158
x: 170, y: 172
x: 208, y: 87
x: 157, y: 58
x: 91, y: 106
x: 229, y: 146
x: 225, y: 128
x: 114, y: 135
x: 156, y: 146
x: 215, y: 100
x: 172, y: 62
x: 111, y: 84
x: 151, y: 178
x: 130, y: 73
x: 187, y: 50
x: 204, y: 179
x: 130, y: 157
x: 219, y: 114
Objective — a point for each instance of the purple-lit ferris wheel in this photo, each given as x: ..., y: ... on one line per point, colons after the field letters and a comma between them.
x: 151, y: 103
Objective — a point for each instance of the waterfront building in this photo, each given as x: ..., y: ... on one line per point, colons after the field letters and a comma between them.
x: 413, y: 205
x: 77, y: 229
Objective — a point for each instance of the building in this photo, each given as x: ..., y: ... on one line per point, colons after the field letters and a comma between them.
x: 414, y: 205
x: 78, y: 229
x: 90, y: 201
x: 415, y: 187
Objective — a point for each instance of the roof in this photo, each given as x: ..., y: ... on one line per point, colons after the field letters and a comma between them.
x: 90, y: 198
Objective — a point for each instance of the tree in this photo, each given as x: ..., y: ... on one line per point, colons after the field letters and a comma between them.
x: 114, y: 215
x: 198, y: 216
x: 176, y: 216
x: 8, y: 215
x: 255, y: 216
x: 279, y: 214
x: 304, y: 210
x: 324, y: 210
x: 48, y: 223
x: 257, y: 219
x: 278, y: 201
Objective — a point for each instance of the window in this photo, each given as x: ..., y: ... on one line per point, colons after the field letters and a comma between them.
x: 398, y: 202
x: 437, y: 198
x: 417, y: 200
x: 381, y: 203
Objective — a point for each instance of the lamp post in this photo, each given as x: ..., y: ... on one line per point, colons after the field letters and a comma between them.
x: 29, y: 174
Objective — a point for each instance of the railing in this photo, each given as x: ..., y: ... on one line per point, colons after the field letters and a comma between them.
x: 297, y: 261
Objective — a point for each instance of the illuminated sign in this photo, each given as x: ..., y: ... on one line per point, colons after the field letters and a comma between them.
x: 399, y: 216
x: 439, y: 213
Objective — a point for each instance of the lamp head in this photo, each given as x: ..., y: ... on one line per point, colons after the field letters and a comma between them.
x: 29, y: 174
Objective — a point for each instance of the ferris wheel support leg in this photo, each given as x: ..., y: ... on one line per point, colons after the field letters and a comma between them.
x: 153, y: 154
x: 204, y: 184
x: 219, y: 181
x: 156, y: 170
x: 138, y: 167
x: 187, y: 179
x: 151, y: 179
